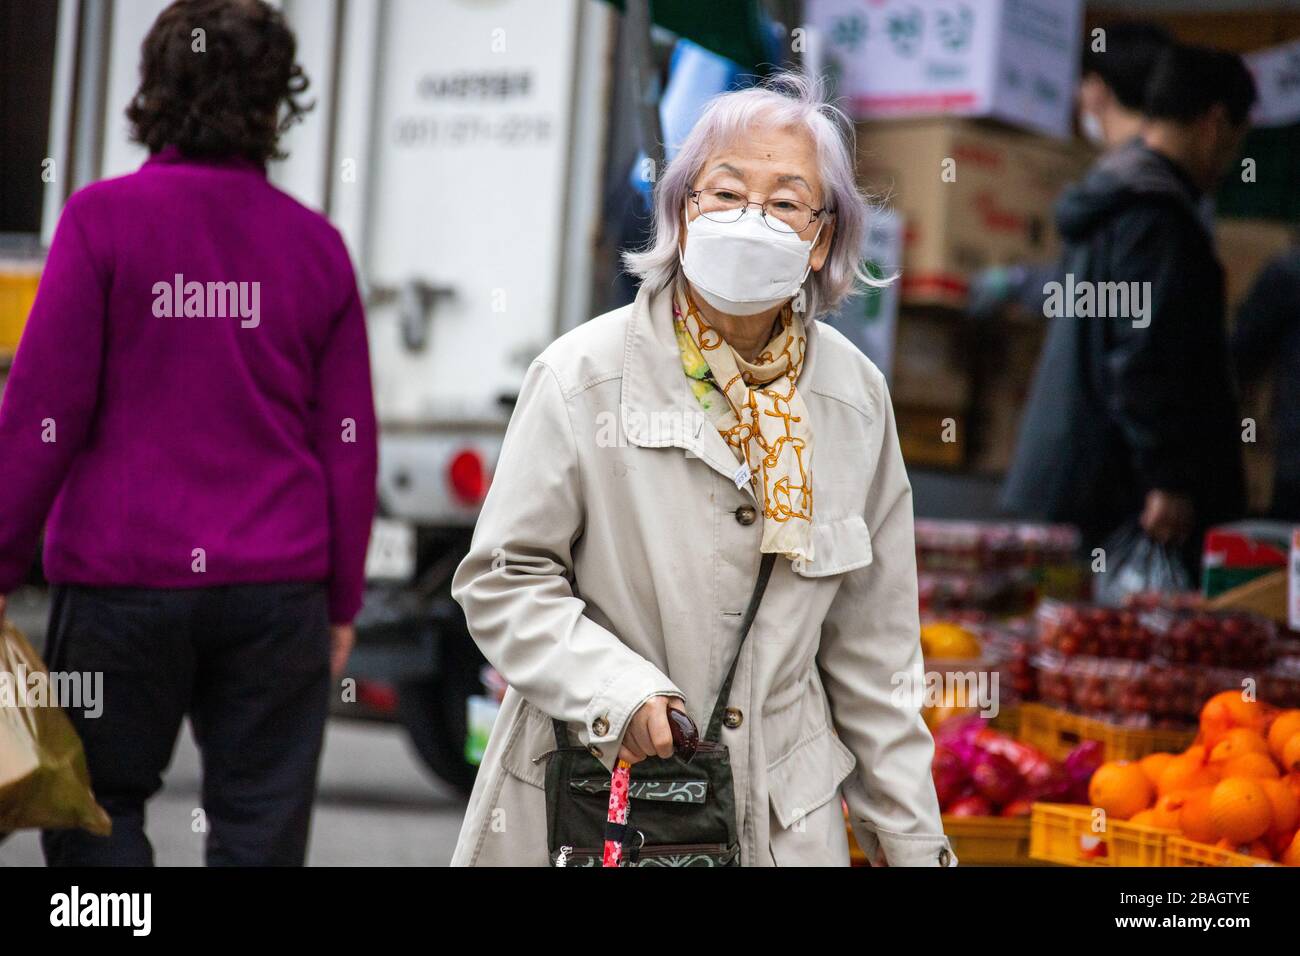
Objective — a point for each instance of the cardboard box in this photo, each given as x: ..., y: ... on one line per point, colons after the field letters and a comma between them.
x: 924, y: 433
x: 1013, y: 60
x: 1260, y: 462
x: 933, y: 367
x: 972, y: 195
x: 1239, y: 30
x: 1004, y: 379
x: 998, y: 428
x: 1245, y: 247
x: 1243, y: 551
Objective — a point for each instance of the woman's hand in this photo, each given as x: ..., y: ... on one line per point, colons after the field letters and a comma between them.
x: 647, y: 733
x: 342, y: 638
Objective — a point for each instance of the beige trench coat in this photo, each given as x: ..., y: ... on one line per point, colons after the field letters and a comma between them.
x: 614, y: 557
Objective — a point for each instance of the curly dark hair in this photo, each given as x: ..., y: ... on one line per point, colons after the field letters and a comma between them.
x: 233, y: 94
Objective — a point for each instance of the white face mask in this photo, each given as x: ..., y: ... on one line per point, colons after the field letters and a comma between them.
x: 745, y: 267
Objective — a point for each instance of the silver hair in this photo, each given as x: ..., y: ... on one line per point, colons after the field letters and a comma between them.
x: 783, y: 100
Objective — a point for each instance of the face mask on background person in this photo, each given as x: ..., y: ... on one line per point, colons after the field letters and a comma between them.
x: 745, y: 267
x: 1092, y: 129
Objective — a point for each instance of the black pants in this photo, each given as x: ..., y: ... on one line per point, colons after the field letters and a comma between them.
x: 249, y: 664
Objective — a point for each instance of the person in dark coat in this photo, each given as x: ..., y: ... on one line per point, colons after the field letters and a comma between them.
x: 1113, y: 81
x: 1267, y: 338
x: 1133, y: 412
x: 1112, y: 93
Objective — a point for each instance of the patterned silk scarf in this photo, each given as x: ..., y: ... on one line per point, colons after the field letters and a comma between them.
x: 761, y: 416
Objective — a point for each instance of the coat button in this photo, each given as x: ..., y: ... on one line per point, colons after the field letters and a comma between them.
x: 746, y: 515
x: 600, y: 726
x: 733, y: 717
x: 944, y: 857
x: 595, y: 751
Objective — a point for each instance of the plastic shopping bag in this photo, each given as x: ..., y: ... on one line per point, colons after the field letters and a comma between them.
x: 43, y: 778
x: 1137, y: 564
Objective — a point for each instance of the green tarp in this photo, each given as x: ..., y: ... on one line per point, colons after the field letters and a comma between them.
x: 730, y: 28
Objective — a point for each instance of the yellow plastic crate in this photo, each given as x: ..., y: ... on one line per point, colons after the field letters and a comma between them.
x: 1063, y: 833
x: 1056, y: 733
x: 1008, y: 720
x: 977, y: 841
x: 989, y: 841
x: 17, y: 293
x: 1180, y: 851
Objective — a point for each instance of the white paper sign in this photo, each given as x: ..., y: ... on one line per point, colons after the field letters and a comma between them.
x: 1017, y: 60
x: 1277, y: 79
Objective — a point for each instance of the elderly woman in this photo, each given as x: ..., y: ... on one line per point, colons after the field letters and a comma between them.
x: 664, y: 463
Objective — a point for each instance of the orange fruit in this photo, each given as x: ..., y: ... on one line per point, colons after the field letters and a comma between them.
x: 1185, y: 772
x: 1256, y: 765
x: 1238, y: 741
x: 1227, y: 710
x: 947, y: 641
x: 1153, y: 765
x: 1291, y: 855
x: 1121, y: 789
x: 1291, y: 754
x: 1240, y: 809
x: 1278, y: 842
x: 949, y: 706
x: 1284, y: 726
x: 1195, y: 820
x: 1146, y: 818
x: 1292, y: 780
x: 1166, y: 811
x: 1257, y: 848
x: 1285, y: 804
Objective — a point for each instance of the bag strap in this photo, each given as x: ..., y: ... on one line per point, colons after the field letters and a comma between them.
x: 715, y: 717
x: 714, y: 732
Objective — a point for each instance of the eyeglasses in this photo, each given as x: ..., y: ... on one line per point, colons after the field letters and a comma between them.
x: 781, y: 215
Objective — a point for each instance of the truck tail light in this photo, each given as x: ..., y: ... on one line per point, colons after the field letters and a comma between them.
x: 468, y: 477
x: 377, y: 696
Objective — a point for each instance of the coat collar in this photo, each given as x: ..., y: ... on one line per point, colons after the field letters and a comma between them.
x: 658, y: 408
x: 172, y: 156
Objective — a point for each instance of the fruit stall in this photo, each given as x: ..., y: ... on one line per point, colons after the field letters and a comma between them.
x: 1055, y: 690
x: 1164, y: 731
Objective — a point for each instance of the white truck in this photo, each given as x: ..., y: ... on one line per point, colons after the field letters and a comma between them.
x: 458, y: 145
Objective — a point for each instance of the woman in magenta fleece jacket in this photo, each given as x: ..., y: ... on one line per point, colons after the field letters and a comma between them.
x: 190, y: 418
